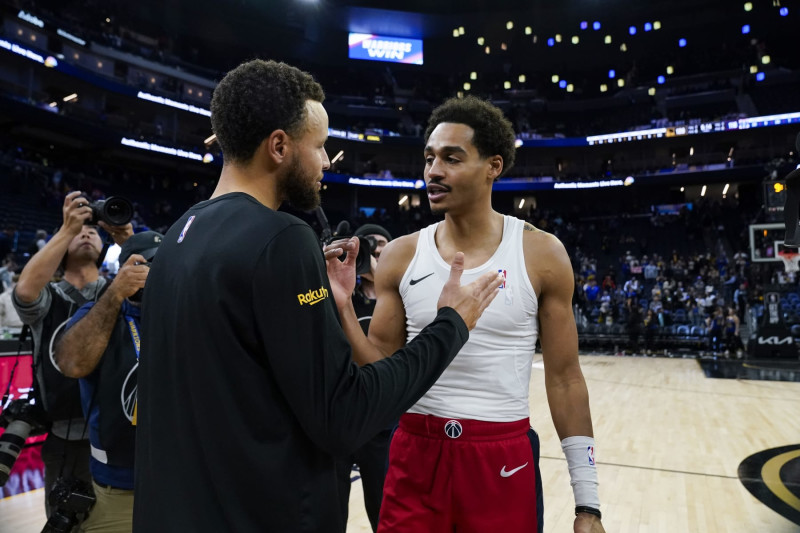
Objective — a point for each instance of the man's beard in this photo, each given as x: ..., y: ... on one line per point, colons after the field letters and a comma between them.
x: 298, y: 189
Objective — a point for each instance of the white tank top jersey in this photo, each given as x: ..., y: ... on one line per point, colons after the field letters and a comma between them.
x: 490, y: 377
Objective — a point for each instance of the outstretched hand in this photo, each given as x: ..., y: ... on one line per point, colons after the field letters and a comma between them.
x: 342, y: 274
x: 471, y: 300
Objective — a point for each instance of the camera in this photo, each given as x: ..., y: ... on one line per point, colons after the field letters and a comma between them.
x: 70, y: 501
x: 21, y: 419
x: 114, y: 211
x: 366, y: 245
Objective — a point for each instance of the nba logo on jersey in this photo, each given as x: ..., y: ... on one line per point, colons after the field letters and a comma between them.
x: 185, y: 229
x: 590, y: 454
x: 503, y: 273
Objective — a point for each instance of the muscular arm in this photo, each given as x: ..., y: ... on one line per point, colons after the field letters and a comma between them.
x: 41, y: 267
x: 566, y: 388
x: 82, y: 346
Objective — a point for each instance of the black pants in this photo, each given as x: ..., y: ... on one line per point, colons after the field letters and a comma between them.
x: 64, y: 458
x: 371, y: 459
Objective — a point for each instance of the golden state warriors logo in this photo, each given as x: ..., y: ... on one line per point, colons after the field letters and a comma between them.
x: 772, y: 477
x: 313, y: 297
x: 453, y: 429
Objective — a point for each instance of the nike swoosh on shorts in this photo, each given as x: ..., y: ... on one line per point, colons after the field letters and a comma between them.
x: 509, y: 473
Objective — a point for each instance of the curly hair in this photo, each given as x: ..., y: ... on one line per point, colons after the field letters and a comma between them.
x: 494, y: 134
x: 257, y: 98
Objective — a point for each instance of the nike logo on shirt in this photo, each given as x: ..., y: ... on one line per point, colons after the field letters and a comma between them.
x: 415, y: 281
x: 509, y: 473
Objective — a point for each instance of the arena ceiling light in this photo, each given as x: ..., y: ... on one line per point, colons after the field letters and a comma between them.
x: 70, y: 97
x: 209, y: 140
x: 510, y: 25
x: 682, y: 42
x: 455, y: 32
x: 337, y: 157
x: 657, y: 25
x: 506, y: 85
x: 522, y: 78
x: 612, y: 73
x: 703, y: 191
x: 651, y: 91
x: 670, y: 70
x: 403, y: 200
x: 596, y: 26
x: 575, y: 39
x: 461, y: 30
x: 607, y: 39
x: 603, y: 88
x: 473, y: 75
x: 554, y: 78
x: 521, y: 203
x: 784, y: 12
x: 748, y: 6
x: 528, y: 30
x: 725, y: 190
x: 467, y: 86
x: 745, y: 29
x: 765, y: 60
x: 480, y: 41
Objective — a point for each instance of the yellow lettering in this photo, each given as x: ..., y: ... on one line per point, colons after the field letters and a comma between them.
x: 313, y: 296
x: 302, y: 298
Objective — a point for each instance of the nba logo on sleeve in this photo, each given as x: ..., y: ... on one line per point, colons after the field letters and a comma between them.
x: 185, y: 229
x: 502, y: 273
x: 590, y: 454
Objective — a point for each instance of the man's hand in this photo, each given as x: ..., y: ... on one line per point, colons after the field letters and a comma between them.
x: 470, y: 300
x: 120, y: 234
x: 588, y: 523
x: 342, y: 274
x: 130, y: 278
x: 76, y: 212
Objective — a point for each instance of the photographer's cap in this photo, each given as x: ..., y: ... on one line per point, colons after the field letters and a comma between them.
x: 373, y: 229
x: 145, y: 244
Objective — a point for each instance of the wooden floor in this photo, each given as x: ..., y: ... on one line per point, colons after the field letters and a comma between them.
x: 669, y: 442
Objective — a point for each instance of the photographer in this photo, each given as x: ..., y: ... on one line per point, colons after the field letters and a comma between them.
x: 46, y: 306
x: 101, y: 347
x: 371, y: 457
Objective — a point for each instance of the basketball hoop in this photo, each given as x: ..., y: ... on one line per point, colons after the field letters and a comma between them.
x: 791, y: 260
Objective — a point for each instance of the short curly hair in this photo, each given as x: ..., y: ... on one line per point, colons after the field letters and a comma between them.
x: 257, y: 98
x: 494, y: 134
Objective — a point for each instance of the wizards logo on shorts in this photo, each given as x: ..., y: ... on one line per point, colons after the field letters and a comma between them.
x: 590, y: 454
x: 503, y: 273
x: 185, y: 229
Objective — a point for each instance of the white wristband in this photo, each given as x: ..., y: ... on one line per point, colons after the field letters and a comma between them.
x: 579, y: 452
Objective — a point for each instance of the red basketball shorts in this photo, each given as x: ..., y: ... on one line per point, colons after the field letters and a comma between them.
x: 464, y: 476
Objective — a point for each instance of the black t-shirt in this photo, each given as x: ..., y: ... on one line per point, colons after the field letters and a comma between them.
x: 247, y: 389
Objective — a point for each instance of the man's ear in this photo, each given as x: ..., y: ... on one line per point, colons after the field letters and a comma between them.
x: 276, y: 147
x: 495, y: 167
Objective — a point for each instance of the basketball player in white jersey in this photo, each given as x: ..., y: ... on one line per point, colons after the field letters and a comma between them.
x: 464, y: 458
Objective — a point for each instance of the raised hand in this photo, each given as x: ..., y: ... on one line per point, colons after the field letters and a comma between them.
x: 342, y: 274
x: 131, y: 277
x: 120, y: 234
x: 471, y: 300
x: 76, y: 212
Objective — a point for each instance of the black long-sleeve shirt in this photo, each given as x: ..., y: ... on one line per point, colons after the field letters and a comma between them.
x: 247, y: 389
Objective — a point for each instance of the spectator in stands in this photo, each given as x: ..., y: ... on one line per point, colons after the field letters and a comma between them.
x: 632, y: 288
x: 650, y: 271
x: 9, y: 318
x: 44, y: 306
x: 591, y: 291
x: 7, y: 269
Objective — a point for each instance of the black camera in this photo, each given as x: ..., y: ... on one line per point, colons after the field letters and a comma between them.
x: 21, y: 419
x: 70, y: 501
x: 114, y: 211
x: 366, y: 245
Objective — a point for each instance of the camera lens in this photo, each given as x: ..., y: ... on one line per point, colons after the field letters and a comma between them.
x: 11, y: 443
x: 117, y: 211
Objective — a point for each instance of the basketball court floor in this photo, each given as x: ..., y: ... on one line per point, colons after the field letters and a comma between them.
x: 670, y: 443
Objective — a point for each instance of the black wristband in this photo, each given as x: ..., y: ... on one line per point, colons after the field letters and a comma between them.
x: 589, y: 510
